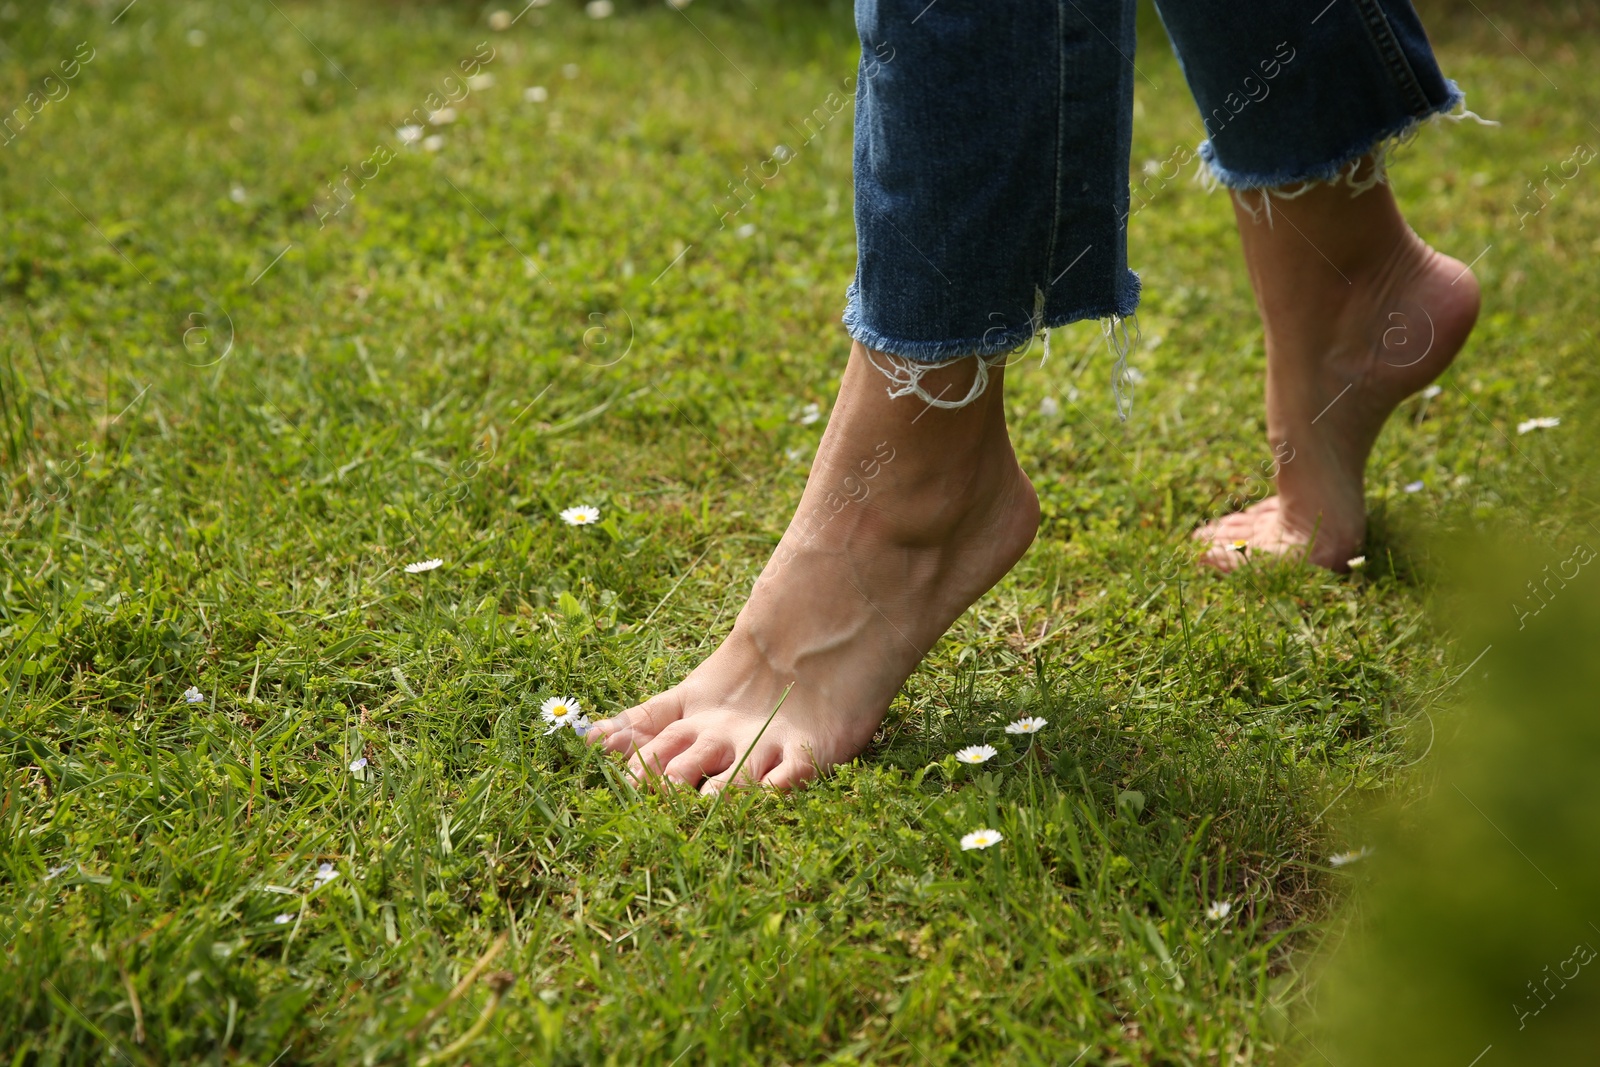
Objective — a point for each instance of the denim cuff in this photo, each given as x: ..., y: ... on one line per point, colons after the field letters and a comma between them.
x: 1342, y: 164
x: 996, y: 341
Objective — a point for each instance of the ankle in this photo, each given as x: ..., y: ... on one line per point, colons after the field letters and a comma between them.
x: 1389, y: 264
x: 1316, y: 252
x: 939, y: 499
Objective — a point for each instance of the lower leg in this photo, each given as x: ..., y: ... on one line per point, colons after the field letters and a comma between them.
x: 909, y: 515
x: 1359, y: 313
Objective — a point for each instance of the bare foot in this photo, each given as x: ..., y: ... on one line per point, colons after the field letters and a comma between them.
x: 1359, y: 314
x: 910, y: 515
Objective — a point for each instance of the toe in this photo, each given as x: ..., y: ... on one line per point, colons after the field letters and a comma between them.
x: 635, y: 727
x: 1228, y: 528
x: 1238, y: 524
x: 756, y: 766
x: 649, y: 760
x: 793, y: 771
x: 1223, y: 557
x: 705, y: 756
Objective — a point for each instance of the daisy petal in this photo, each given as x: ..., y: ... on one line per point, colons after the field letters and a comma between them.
x: 1030, y: 725
x: 981, y: 839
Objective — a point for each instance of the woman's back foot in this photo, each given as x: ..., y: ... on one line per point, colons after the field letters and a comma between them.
x: 1347, y: 342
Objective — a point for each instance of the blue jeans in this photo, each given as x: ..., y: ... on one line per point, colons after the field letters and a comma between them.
x: 992, y: 140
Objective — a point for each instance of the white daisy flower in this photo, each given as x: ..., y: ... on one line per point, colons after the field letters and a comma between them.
x: 480, y: 81
x: 1431, y: 391
x: 536, y: 94
x: 1414, y: 487
x: 580, y: 515
x: 811, y: 412
x: 325, y: 874
x: 1219, y: 910
x: 284, y: 919
x: 357, y: 765
x: 1241, y: 546
x: 1344, y: 858
x: 1355, y: 563
x: 409, y: 134
x: 500, y: 20
x: 442, y: 117
x: 563, y: 711
x: 433, y: 143
x: 238, y: 195
x: 425, y: 565
x: 1030, y: 725
x: 976, y: 754
x: 1049, y: 407
x: 599, y: 9
x: 747, y: 230
x: 1529, y: 425
x: 981, y: 839
x: 193, y: 695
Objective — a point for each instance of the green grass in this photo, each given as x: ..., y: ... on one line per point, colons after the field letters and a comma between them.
x: 227, y: 428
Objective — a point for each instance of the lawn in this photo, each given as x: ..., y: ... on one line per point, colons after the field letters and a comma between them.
x: 262, y: 350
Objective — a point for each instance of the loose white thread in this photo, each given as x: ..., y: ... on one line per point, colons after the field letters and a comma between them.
x: 1121, y: 341
x: 1038, y: 323
x: 905, y: 378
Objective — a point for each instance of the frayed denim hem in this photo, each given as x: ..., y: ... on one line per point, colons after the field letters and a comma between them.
x: 909, y: 361
x: 996, y: 342
x: 1342, y: 169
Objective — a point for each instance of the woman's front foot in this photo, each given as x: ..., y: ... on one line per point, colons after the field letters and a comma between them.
x: 910, y: 515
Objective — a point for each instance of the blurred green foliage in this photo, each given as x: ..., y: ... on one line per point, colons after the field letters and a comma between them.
x: 1479, y: 933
